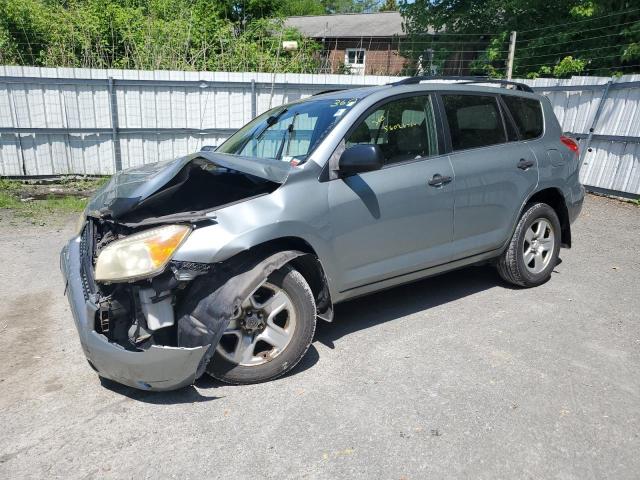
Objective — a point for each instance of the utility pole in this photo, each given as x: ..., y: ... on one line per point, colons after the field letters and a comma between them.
x: 512, y: 53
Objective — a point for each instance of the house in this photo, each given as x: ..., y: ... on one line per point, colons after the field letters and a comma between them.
x: 356, y: 43
x: 376, y: 44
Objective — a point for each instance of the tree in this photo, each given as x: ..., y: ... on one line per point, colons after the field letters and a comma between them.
x: 150, y: 34
x: 350, y: 6
x: 389, y: 6
x: 300, y: 8
x: 603, y: 35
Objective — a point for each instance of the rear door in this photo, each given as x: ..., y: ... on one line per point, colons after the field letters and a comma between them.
x: 396, y: 220
x: 495, y: 171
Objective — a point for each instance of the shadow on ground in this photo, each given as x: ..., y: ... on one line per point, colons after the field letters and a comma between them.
x: 350, y: 317
x: 398, y: 302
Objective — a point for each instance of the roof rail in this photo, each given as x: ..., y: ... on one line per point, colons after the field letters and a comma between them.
x: 467, y: 80
x: 328, y: 91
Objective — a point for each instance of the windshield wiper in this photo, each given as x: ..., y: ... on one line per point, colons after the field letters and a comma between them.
x: 271, y: 121
x: 286, y: 135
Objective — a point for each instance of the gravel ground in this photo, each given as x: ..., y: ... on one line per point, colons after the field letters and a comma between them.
x: 456, y: 376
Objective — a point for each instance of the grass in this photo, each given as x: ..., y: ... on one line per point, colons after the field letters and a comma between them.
x: 11, y: 192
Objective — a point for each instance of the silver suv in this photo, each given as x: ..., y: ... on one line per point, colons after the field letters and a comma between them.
x: 222, y: 261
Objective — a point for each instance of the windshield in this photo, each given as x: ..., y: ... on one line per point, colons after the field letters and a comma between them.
x: 288, y: 133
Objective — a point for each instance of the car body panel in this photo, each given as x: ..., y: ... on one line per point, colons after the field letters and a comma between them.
x: 128, y: 189
x: 389, y: 222
x: 489, y: 189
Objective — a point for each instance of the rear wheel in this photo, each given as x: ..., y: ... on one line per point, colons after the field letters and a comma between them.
x: 533, y: 250
x: 271, y: 335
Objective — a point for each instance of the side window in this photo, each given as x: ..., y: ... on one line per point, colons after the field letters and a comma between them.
x: 512, y: 133
x: 527, y: 114
x: 404, y: 129
x: 474, y: 121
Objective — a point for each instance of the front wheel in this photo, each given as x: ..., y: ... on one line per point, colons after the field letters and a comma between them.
x: 533, y: 250
x: 271, y: 335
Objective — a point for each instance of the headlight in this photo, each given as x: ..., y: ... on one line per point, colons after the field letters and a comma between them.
x: 140, y: 255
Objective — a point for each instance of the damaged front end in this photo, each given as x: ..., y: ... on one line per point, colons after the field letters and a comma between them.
x: 137, y: 327
x: 114, y: 332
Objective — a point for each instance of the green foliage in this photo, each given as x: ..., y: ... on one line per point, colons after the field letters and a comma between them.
x: 11, y: 192
x: 568, y: 66
x: 350, y: 6
x: 301, y: 7
x: 152, y: 34
x: 600, y: 36
x: 632, y: 52
x: 343, y: 69
x: 389, y: 6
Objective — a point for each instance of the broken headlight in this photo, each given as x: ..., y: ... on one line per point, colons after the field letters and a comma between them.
x: 140, y: 255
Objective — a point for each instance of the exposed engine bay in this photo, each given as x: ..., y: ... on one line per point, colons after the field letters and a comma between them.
x: 198, y: 187
x: 172, y: 309
x: 138, y: 314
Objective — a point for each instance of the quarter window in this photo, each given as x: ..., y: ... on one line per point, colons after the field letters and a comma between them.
x: 474, y: 121
x: 527, y: 114
x: 404, y: 129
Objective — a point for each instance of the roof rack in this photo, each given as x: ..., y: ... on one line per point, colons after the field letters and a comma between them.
x: 328, y: 91
x: 466, y: 80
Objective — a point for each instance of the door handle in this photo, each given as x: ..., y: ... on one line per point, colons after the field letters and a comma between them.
x: 525, y: 164
x: 438, y: 180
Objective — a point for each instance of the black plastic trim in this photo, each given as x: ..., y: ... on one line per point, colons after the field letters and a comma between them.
x: 466, y: 80
x: 413, y: 272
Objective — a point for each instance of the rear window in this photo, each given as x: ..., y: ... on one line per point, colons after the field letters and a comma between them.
x: 527, y: 114
x: 474, y: 121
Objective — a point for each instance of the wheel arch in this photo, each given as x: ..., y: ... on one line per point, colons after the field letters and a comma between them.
x: 555, y: 199
x: 308, y: 265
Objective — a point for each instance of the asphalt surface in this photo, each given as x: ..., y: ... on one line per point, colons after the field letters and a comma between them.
x: 456, y: 376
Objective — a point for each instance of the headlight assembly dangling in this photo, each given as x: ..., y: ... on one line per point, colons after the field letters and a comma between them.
x: 140, y: 255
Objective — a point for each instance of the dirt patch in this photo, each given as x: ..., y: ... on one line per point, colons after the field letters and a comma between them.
x: 25, y: 335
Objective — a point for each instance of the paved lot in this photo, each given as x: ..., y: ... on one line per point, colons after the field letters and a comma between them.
x: 456, y: 376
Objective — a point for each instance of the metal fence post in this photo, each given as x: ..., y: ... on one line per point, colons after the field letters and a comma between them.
x: 254, y: 99
x: 594, y: 124
x: 115, y: 125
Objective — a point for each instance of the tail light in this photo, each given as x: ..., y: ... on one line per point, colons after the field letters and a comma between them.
x: 571, y: 144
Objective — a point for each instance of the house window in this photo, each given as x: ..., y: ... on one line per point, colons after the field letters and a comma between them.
x: 354, y: 56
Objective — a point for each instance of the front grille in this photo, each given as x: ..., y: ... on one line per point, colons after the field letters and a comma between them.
x: 86, y: 257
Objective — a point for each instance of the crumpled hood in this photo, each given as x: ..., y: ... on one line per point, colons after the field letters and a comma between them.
x: 129, y: 188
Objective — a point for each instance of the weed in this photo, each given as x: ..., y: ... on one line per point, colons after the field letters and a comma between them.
x: 11, y: 192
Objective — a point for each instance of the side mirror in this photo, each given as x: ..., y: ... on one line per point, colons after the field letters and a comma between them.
x: 360, y: 158
x: 208, y: 148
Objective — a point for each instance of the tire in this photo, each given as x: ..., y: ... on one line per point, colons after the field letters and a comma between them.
x: 275, y: 362
x: 525, y: 262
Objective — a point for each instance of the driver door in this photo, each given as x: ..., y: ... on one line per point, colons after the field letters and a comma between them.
x: 397, y: 220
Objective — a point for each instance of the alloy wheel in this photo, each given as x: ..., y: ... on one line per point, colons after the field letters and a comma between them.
x: 539, y: 243
x: 263, y: 329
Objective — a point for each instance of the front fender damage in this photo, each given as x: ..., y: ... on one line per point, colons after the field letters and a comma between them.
x: 216, y: 298
x: 136, y: 343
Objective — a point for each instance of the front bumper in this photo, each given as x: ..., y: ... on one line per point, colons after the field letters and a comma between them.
x: 157, y: 368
